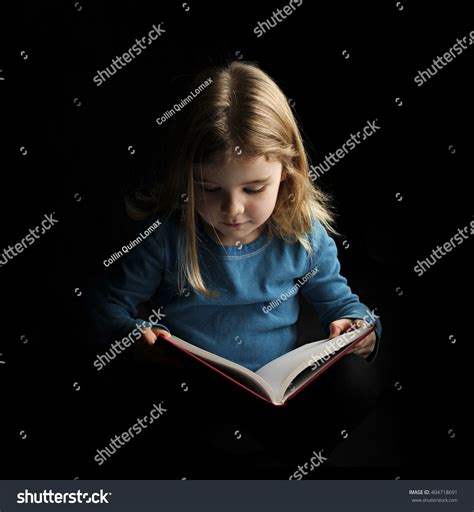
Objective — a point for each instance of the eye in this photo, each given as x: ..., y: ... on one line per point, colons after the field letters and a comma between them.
x: 255, y: 191
x: 248, y: 191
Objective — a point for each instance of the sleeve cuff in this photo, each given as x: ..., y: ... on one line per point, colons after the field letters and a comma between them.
x: 378, y: 335
x: 154, y: 324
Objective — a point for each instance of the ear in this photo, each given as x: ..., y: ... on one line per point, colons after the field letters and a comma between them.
x: 283, y: 175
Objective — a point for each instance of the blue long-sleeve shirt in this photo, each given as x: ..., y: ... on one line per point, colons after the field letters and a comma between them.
x: 253, y: 320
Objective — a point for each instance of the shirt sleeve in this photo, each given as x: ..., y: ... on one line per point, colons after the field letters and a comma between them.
x: 328, y: 292
x: 136, y: 280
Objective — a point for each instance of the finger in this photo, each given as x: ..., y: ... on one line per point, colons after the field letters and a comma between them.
x: 361, y: 351
x: 159, y: 331
x: 365, y: 345
x: 149, y: 336
x: 365, y: 348
x: 338, y: 327
x: 362, y: 354
x: 362, y: 347
x: 351, y: 324
x: 356, y: 324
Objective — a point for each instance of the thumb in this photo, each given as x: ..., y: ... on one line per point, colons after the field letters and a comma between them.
x: 334, y: 329
x: 161, y: 332
x: 149, y: 336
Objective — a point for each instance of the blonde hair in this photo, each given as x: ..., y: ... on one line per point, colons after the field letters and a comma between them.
x: 241, y: 107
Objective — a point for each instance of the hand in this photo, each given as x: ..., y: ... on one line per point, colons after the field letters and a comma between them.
x: 365, y: 347
x: 150, y: 335
x: 146, y: 348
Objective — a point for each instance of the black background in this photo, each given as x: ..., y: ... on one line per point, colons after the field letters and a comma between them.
x: 421, y: 152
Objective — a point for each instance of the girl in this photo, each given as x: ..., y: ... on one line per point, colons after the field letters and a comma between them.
x: 243, y: 224
x: 242, y: 231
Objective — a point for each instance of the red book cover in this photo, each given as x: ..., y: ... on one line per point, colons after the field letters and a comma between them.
x: 317, y: 374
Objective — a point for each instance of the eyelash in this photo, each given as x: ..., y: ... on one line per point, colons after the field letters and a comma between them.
x: 248, y: 191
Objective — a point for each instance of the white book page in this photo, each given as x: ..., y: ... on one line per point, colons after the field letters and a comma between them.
x: 280, y: 372
x: 234, y: 370
x: 302, y: 378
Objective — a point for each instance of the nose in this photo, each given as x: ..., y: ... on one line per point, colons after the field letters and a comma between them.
x: 232, y: 206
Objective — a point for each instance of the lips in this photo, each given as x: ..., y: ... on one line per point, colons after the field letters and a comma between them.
x: 233, y: 225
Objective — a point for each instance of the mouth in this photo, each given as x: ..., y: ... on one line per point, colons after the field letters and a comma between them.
x: 234, y: 225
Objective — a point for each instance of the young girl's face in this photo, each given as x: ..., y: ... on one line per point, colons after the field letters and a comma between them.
x: 237, y: 199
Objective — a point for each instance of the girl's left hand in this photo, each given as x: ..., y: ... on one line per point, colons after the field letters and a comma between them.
x: 365, y: 347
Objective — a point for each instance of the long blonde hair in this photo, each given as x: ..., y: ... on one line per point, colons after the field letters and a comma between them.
x: 241, y: 107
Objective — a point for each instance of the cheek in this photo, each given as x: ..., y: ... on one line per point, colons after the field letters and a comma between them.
x: 268, y: 199
x: 260, y: 207
x: 205, y: 204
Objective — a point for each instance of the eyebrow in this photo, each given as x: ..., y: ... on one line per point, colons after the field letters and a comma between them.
x: 261, y: 180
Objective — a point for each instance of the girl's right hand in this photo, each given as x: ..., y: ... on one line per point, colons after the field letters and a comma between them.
x: 150, y: 335
x: 146, y: 351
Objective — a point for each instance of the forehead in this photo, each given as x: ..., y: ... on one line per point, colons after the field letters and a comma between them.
x: 239, y: 169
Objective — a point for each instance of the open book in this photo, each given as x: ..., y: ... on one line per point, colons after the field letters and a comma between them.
x: 280, y: 379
